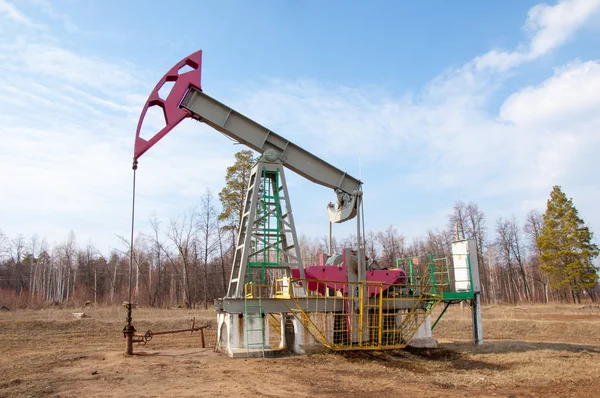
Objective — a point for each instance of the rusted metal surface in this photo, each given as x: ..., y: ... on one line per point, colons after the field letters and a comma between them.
x: 146, y: 337
x: 129, y: 331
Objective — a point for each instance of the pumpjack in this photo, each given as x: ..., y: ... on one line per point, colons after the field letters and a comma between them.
x: 344, y: 302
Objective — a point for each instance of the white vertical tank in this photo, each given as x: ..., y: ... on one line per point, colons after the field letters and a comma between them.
x: 466, y: 267
x: 466, y: 279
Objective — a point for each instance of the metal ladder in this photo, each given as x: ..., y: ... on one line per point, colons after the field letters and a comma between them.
x: 253, y: 317
x: 269, y: 245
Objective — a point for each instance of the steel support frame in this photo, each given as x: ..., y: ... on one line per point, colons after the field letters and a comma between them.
x: 250, y: 229
x: 277, y: 305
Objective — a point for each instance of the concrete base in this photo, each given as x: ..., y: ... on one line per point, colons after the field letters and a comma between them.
x: 233, y: 340
x: 254, y: 353
x: 301, y: 341
x: 423, y: 337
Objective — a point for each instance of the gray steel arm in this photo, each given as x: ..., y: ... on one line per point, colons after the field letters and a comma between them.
x: 246, y: 131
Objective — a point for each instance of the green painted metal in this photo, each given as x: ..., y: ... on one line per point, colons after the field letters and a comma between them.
x: 410, y: 268
x: 445, y: 272
x: 470, y: 272
x: 267, y: 252
x: 432, y: 273
x: 254, y: 311
x: 439, y: 277
x: 453, y: 296
x: 270, y: 213
x: 441, y: 314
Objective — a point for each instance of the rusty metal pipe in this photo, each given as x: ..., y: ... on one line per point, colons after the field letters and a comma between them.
x: 129, y: 331
x: 195, y: 329
x: 146, y: 337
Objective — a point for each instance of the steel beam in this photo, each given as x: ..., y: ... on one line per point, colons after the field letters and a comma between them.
x: 246, y: 131
x: 273, y: 305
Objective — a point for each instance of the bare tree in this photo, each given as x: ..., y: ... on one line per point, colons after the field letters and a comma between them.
x: 504, y: 244
x: 66, y: 260
x: 534, y: 223
x: 84, y: 260
x: 114, y: 263
x: 33, y: 247
x: 458, y: 219
x: 469, y: 220
x: 4, y: 246
x: 310, y: 250
x: 335, y: 246
x: 208, y: 234
x: 222, y: 256
x: 371, y: 249
x: 17, y: 252
x: 346, y: 242
x: 516, y: 246
x: 182, y: 234
x: 533, y: 229
x: 392, y: 246
x: 438, y: 242
x: 156, y: 250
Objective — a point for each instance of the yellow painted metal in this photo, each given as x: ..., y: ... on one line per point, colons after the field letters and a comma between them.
x: 249, y: 290
x: 282, y: 288
x: 380, y: 334
x: 391, y: 316
x: 275, y: 322
x: 304, y: 318
x: 372, y: 316
x: 361, y: 312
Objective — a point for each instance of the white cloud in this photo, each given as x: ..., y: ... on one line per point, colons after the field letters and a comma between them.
x: 451, y: 150
x: 552, y: 26
x: 13, y: 13
x: 548, y: 26
x: 333, y: 119
x: 67, y: 130
x: 444, y: 139
x: 572, y: 92
x: 51, y: 61
x: 46, y: 7
x: 498, y: 60
x: 70, y: 158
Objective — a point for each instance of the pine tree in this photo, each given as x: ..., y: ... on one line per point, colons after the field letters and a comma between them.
x: 233, y: 193
x: 566, y: 248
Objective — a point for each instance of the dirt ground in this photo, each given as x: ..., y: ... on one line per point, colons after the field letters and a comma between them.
x: 529, y: 351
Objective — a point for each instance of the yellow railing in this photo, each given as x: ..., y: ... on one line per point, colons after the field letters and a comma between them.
x: 283, y: 288
x: 370, y: 316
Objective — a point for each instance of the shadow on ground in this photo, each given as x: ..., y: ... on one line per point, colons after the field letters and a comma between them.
x: 514, y: 346
x: 420, y: 360
x: 459, y: 355
x: 171, y: 354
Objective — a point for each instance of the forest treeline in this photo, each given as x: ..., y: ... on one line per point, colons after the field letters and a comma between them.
x: 185, y: 261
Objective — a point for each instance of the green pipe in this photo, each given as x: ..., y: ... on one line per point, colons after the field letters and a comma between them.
x: 440, y: 316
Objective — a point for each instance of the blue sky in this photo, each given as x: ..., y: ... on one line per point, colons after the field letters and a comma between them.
x: 492, y: 102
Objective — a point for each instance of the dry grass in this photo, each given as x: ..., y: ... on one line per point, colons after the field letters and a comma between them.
x: 540, y: 350
x: 552, y: 323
